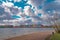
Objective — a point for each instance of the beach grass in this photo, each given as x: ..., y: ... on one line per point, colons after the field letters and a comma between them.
x: 56, y: 36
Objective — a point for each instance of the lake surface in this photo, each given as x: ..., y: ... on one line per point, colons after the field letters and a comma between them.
x: 12, y: 32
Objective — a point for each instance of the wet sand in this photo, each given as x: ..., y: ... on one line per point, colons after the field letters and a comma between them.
x: 33, y: 36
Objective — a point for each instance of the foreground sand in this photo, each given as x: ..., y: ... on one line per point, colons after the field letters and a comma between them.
x: 33, y: 36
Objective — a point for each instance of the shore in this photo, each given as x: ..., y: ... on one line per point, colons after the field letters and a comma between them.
x: 33, y: 36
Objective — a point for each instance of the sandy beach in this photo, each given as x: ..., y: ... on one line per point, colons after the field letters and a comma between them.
x: 33, y: 36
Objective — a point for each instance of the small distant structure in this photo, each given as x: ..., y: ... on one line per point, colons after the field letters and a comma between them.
x: 42, y: 26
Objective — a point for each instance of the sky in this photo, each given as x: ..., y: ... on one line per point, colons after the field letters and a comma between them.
x: 26, y: 12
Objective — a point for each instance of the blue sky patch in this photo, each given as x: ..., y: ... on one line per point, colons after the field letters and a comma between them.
x: 48, y: 1
x: 40, y: 7
x: 39, y: 14
x: 22, y: 4
x: 16, y: 16
x: 27, y: 16
x: 0, y: 2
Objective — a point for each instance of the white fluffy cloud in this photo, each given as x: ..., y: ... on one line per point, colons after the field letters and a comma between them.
x: 8, y: 4
x: 38, y: 11
x: 28, y: 11
x: 11, y: 10
x: 8, y: 10
x: 17, y: 0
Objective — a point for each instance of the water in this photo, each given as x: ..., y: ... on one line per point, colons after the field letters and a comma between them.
x: 12, y: 32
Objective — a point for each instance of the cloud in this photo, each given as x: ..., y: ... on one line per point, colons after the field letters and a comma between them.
x: 52, y: 9
x: 28, y: 11
x: 14, y: 10
x: 17, y: 0
x: 8, y: 4
x: 57, y: 1
x: 52, y: 6
x: 4, y: 14
x: 7, y: 13
x: 32, y: 15
x: 35, y: 3
x: 38, y: 11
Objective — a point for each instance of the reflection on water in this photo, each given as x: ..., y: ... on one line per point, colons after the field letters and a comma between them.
x: 11, y: 32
